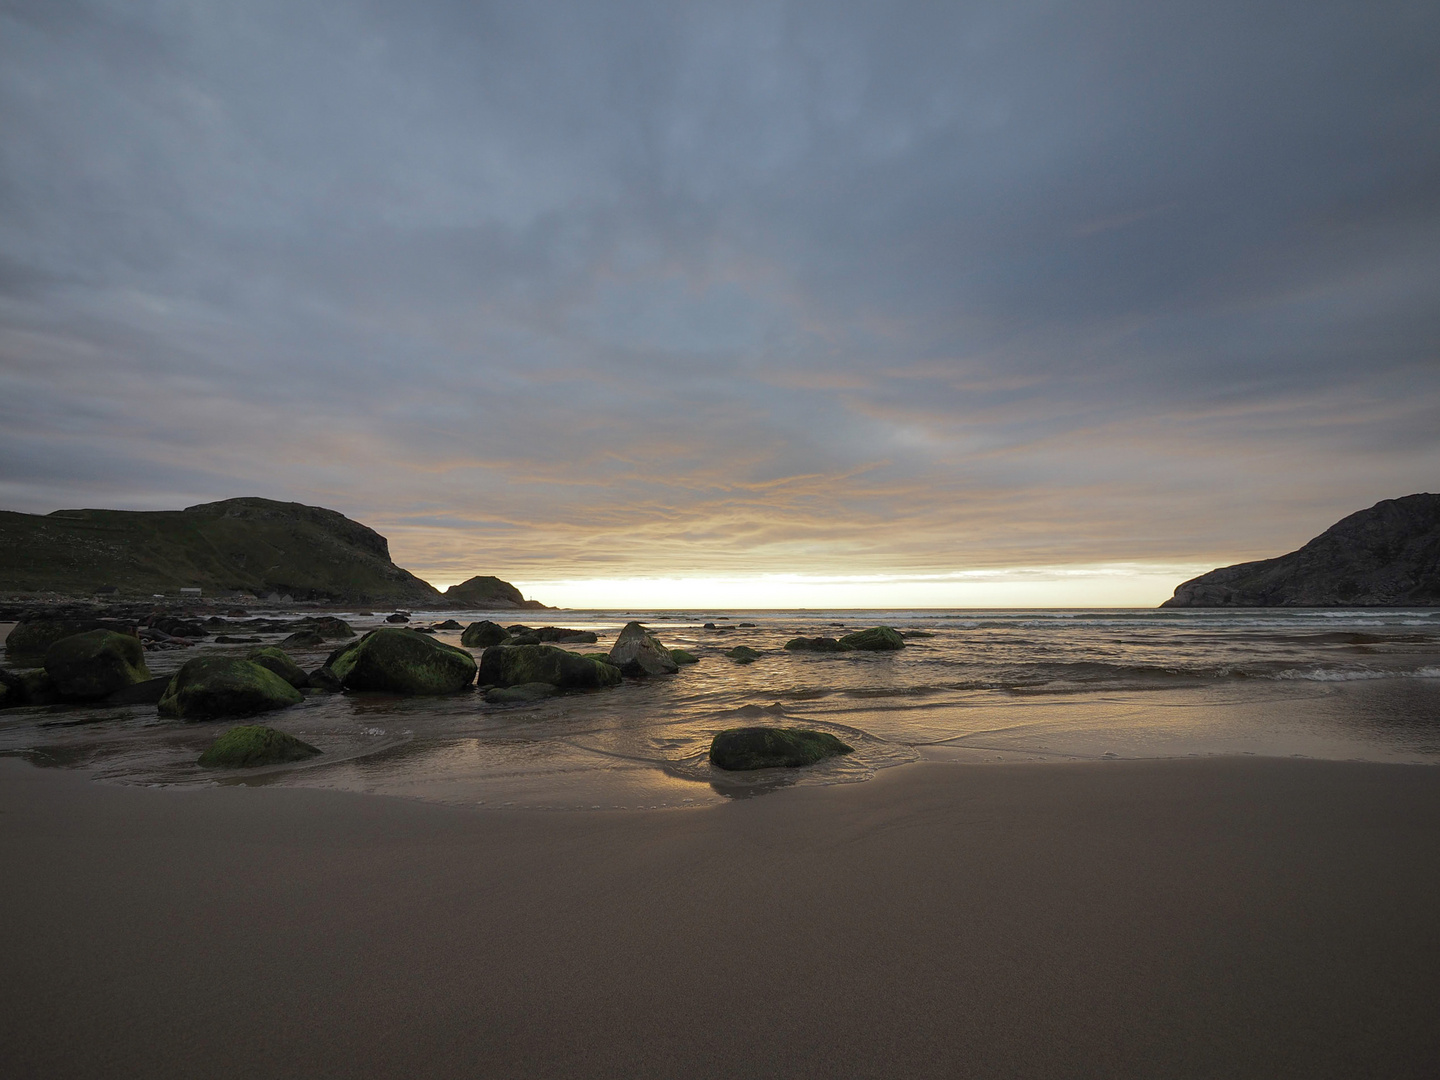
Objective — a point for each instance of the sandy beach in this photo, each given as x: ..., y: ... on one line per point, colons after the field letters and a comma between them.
x: 1224, y: 917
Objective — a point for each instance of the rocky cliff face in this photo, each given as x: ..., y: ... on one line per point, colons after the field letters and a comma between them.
x: 1386, y: 556
x: 255, y: 546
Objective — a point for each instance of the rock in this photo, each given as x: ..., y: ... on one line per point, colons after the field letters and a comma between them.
x: 448, y: 624
x: 36, y: 687
x: 876, y: 639
x: 326, y: 626
x: 12, y: 690
x: 768, y: 748
x: 746, y: 625
x: 402, y: 662
x: 214, y: 687
x: 252, y: 745
x: 89, y: 666
x: 564, y: 635
x: 1386, y: 556
x: 276, y: 660
x: 483, y: 634
x: 519, y: 628
x: 511, y: 695
x: 228, y: 639
x: 815, y: 644
x: 637, y: 653
x: 322, y: 678
x: 398, y: 617
x: 31, y: 636
x: 908, y: 634
x: 489, y: 594
x: 303, y: 639
x: 682, y: 657
x: 743, y: 654
x: 516, y: 665
x: 708, y: 626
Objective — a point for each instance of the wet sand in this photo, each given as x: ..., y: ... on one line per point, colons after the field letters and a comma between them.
x: 1225, y: 917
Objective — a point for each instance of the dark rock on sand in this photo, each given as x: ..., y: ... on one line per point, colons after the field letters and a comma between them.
x: 743, y: 654
x: 876, y: 639
x: 638, y: 653
x: 1386, y: 556
x: 277, y: 661
x: 448, y: 624
x: 815, y: 644
x: 398, y: 617
x: 512, y: 695
x: 252, y: 745
x: 402, y: 662
x: 483, y: 634
x: 516, y: 665
x: 214, y: 687
x: 768, y: 748
x: 92, y: 665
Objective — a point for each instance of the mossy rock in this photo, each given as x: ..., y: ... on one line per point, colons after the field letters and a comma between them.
x: 516, y: 665
x: 565, y: 636
x: 514, y: 695
x: 214, y: 687
x: 252, y: 745
x: 92, y: 665
x: 403, y: 662
x: 304, y: 639
x: 277, y: 661
x: 483, y: 634
x: 322, y: 678
x: 682, y: 657
x: 638, y: 653
x: 816, y: 644
x: 743, y: 654
x: 738, y: 749
x: 876, y: 639
x: 33, y: 636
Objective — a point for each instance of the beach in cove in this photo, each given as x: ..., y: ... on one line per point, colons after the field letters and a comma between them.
x: 1105, y: 843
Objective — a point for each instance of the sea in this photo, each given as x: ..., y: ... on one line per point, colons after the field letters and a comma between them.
x: 973, y: 686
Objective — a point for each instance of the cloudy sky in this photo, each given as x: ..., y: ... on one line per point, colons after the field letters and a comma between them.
x: 882, y: 299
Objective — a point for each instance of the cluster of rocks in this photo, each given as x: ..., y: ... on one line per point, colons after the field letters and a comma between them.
x: 84, y: 663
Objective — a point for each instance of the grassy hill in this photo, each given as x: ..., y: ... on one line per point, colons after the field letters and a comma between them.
x: 239, y: 545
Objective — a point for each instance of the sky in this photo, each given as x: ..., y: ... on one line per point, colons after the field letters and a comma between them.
x: 821, y: 304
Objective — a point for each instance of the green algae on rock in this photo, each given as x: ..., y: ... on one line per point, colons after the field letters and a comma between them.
x: 683, y: 656
x: 280, y: 663
x: 483, y: 634
x: 402, y: 662
x: 876, y: 639
x: 252, y: 745
x: 737, y: 749
x: 512, y: 695
x: 91, y: 665
x: 816, y: 644
x: 515, y: 665
x: 743, y: 654
x: 214, y: 687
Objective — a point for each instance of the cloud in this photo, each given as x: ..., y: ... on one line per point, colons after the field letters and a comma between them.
x: 561, y: 290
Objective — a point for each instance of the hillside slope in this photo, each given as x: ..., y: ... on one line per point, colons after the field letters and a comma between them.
x: 1386, y: 556
x: 247, y: 545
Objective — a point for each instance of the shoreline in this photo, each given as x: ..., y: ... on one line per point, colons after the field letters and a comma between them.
x: 1218, y: 916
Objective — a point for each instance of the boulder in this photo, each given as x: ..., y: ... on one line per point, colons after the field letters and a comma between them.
x: 214, y: 687
x: 326, y: 626
x: 89, y: 666
x: 304, y: 639
x: 768, y: 748
x: 483, y: 634
x: 876, y: 639
x: 12, y: 690
x: 743, y: 654
x: 144, y: 693
x: 637, y: 652
x: 323, y: 679
x: 448, y: 624
x: 398, y: 617
x: 230, y: 639
x: 516, y: 665
x: 682, y: 657
x: 512, y: 695
x: 816, y: 644
x: 564, y: 635
x: 31, y: 636
x: 276, y: 660
x: 402, y: 662
x: 252, y: 745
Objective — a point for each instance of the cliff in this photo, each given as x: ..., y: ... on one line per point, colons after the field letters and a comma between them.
x: 1386, y: 556
x: 250, y: 545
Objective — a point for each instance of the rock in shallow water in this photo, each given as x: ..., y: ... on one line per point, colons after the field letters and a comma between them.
x: 277, y: 661
x: 252, y: 745
x: 737, y: 749
x: 214, y: 687
x: 512, y: 695
x: 637, y: 652
x: 402, y: 662
x: 743, y: 654
x: 815, y: 644
x: 516, y: 665
x: 876, y: 639
x: 89, y: 666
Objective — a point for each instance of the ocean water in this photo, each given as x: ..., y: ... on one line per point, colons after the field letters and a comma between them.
x: 972, y: 686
